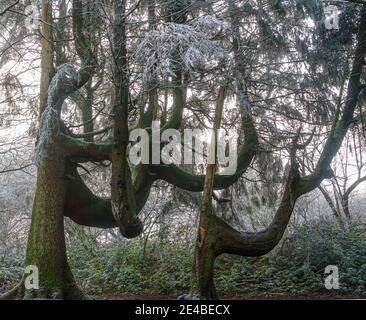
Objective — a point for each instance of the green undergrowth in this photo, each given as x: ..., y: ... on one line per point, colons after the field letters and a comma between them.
x: 295, y: 267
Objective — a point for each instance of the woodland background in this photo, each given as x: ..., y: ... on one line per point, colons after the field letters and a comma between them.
x: 324, y: 228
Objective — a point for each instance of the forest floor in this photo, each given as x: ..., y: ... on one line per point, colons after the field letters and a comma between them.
x: 240, y: 296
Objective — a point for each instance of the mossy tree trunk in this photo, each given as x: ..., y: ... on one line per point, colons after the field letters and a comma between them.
x: 46, y: 247
x: 46, y: 242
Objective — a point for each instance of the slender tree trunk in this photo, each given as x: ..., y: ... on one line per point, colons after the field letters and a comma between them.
x: 47, y: 53
x: 202, y: 286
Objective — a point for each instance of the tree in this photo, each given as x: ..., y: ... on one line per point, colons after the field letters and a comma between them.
x: 348, y: 175
x: 180, y: 57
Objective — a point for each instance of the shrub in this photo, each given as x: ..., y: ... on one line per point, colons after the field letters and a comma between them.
x: 296, y: 266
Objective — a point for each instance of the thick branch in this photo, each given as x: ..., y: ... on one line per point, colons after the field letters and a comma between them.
x: 85, y: 208
x: 194, y: 183
x: 259, y: 243
x: 83, y: 151
x: 47, y: 53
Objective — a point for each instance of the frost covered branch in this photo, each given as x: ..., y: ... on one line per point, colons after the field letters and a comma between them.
x: 190, y: 46
x: 62, y: 84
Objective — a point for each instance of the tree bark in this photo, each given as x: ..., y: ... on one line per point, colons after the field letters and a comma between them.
x: 202, y: 286
x: 123, y: 195
x: 46, y: 247
x: 47, y: 53
x: 46, y: 242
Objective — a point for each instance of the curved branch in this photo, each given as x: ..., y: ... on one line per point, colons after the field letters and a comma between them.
x: 83, y: 151
x: 82, y: 206
x: 191, y: 182
x: 354, y: 186
x: 90, y: 134
x: 259, y: 243
x: 87, y: 209
x: 345, y: 197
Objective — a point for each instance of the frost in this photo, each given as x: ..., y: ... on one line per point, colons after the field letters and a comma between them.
x: 62, y: 84
x: 189, y: 46
x: 208, y: 25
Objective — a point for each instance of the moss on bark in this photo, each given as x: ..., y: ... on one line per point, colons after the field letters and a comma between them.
x: 46, y: 247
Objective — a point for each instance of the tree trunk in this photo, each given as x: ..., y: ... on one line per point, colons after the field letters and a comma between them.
x: 202, y: 285
x: 47, y: 53
x: 123, y: 198
x: 46, y: 247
